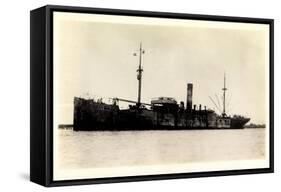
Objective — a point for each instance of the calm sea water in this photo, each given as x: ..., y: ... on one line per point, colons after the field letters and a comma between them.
x: 125, y: 148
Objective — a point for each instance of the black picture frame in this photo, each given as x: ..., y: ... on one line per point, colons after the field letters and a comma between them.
x: 41, y: 94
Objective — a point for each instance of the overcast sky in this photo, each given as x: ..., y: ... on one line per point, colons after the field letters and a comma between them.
x: 93, y: 55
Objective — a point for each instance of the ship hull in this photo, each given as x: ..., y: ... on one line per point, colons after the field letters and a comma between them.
x: 238, y: 123
x: 93, y: 116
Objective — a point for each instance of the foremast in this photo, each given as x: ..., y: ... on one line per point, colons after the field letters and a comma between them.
x: 224, y: 90
x: 139, y: 73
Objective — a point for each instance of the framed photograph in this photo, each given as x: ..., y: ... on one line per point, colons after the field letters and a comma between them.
x: 123, y: 95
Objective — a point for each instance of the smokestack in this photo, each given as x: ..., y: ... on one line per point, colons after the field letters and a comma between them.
x: 189, y: 96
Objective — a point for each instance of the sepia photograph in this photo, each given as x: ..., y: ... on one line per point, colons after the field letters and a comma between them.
x: 137, y: 95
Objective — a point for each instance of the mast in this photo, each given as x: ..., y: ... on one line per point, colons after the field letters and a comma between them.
x: 139, y: 74
x: 224, y: 90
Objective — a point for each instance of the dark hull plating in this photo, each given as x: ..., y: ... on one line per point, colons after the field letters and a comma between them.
x: 97, y: 116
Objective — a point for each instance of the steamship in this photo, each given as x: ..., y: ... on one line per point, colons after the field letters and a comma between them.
x: 162, y: 113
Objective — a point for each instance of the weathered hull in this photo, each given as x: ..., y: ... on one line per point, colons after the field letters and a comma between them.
x: 93, y: 116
